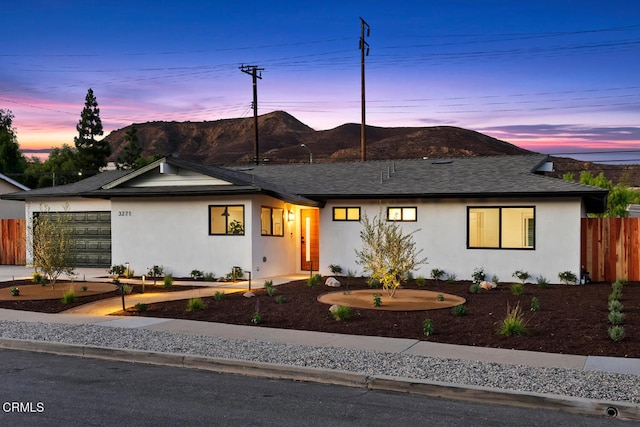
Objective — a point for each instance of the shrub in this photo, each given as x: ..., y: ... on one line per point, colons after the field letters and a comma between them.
x: 459, y: 310
x: 495, y: 279
x: 37, y: 277
x: 409, y: 276
x: 517, y: 289
x: 523, y: 276
x: 218, y: 296
x: 542, y: 282
x: 474, y: 288
x: 335, y: 269
x: 616, y: 317
x: 373, y: 283
x: 256, y: 319
x: 167, y: 281
x: 195, y: 304
x: 616, y: 292
x: 84, y: 288
x: 421, y: 281
x: 615, y: 305
x: 616, y: 333
x: 280, y: 299
x: 451, y: 278
x: 427, y: 327
x: 68, y: 297
x: 513, y: 323
x: 235, y: 274
x: 314, y: 280
x: 478, y: 275
x: 271, y: 290
x: 377, y: 300
x: 118, y: 270
x: 340, y: 312
x: 437, y: 274
x: 210, y: 276
x: 535, y: 304
x: 15, y: 291
x: 127, y: 289
x: 196, y: 274
x: 439, y: 297
x: 141, y: 307
x: 351, y: 274
x: 568, y: 278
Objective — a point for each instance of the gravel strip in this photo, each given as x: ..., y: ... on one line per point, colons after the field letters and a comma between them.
x: 566, y: 382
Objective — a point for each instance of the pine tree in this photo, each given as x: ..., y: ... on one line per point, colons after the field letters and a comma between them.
x: 132, y: 151
x: 92, y: 154
x: 12, y: 161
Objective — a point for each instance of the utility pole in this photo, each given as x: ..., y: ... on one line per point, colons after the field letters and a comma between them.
x: 255, y: 73
x: 364, y: 51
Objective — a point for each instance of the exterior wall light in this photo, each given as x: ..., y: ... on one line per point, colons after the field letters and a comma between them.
x: 291, y: 216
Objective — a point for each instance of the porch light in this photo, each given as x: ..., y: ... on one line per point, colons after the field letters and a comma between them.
x: 290, y: 216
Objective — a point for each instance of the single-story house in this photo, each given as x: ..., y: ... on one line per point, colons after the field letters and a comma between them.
x: 11, y: 209
x: 497, y: 213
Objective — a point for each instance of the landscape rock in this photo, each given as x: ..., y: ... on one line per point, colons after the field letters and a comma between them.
x: 248, y: 295
x: 332, y: 282
x: 487, y: 285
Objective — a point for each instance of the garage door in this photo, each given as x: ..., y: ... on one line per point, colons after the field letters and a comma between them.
x: 92, y: 237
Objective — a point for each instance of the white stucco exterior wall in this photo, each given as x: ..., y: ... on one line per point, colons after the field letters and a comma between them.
x: 443, y: 238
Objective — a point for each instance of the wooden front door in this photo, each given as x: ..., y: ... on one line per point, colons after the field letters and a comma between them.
x: 309, y: 236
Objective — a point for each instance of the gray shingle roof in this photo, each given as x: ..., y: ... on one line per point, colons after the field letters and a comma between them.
x: 314, y: 184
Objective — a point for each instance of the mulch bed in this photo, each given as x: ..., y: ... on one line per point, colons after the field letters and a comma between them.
x: 571, y: 320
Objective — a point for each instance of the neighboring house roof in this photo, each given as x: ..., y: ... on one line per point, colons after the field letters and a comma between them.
x: 13, y: 183
x: 314, y: 184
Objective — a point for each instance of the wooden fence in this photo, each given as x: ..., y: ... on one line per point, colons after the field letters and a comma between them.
x: 610, y: 248
x: 12, y: 241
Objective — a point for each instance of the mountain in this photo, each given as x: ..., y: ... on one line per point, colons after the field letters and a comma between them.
x: 231, y: 142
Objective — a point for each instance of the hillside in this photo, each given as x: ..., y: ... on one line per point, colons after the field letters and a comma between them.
x: 231, y: 141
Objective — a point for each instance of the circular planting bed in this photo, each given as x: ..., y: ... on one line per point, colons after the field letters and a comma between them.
x: 403, y: 300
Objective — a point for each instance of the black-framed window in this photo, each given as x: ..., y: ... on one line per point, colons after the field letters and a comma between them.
x: 501, y: 227
x: 226, y: 219
x: 346, y: 213
x: 402, y: 213
x: 272, y: 221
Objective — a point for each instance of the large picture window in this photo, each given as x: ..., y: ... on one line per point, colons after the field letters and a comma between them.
x: 346, y: 214
x: 501, y: 227
x: 272, y: 221
x: 402, y: 214
x: 226, y: 219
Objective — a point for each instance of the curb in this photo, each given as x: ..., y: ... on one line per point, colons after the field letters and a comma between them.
x: 622, y: 410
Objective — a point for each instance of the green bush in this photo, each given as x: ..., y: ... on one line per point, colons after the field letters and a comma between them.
x: 210, y: 276
x: 373, y: 283
x: 615, y: 305
x: 421, y: 281
x: 218, y: 296
x: 377, y: 300
x: 523, y: 276
x: 474, y: 288
x: 568, y: 278
x: 15, y: 291
x: 280, y: 299
x: 427, y: 327
x: 196, y: 274
x: 616, y: 333
x: 542, y: 282
x: 459, y: 310
x: 513, y: 323
x: 535, y: 304
x: 127, y: 289
x: 437, y: 274
x: 478, y: 275
x: 517, y: 289
x: 256, y: 319
x: 167, y: 281
x: 84, y: 288
x: 314, y: 280
x: 37, y: 278
x: 439, y: 297
x: 68, y: 297
x: 335, y: 269
x: 340, y: 312
x: 141, y: 307
x: 451, y: 278
x: 616, y: 317
x: 195, y: 304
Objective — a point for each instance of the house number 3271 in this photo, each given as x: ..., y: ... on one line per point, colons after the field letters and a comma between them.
x: 124, y: 213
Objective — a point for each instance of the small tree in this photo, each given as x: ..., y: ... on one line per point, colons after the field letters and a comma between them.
x: 387, y: 253
x: 51, y: 243
x: 131, y: 152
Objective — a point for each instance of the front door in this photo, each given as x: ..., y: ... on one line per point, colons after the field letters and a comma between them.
x: 309, y: 247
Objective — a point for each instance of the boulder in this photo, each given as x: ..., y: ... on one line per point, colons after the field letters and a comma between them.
x: 332, y: 282
x: 487, y: 285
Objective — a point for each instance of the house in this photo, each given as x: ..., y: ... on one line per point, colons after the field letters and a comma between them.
x: 497, y: 213
x: 11, y: 209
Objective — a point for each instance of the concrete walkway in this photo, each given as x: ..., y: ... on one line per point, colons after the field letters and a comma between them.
x: 95, y: 313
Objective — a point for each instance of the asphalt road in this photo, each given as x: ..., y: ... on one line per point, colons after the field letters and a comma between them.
x: 52, y: 390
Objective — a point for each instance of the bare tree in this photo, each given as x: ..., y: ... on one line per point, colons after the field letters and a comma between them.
x: 387, y: 253
x: 50, y: 239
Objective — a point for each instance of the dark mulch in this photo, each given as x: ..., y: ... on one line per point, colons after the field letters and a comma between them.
x: 57, y: 306
x: 571, y: 320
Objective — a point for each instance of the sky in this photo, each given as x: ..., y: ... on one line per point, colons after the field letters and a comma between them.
x: 550, y: 76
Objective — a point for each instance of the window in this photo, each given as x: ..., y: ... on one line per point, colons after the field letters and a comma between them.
x: 402, y: 214
x: 226, y: 219
x: 346, y: 214
x: 501, y: 227
x: 272, y: 220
